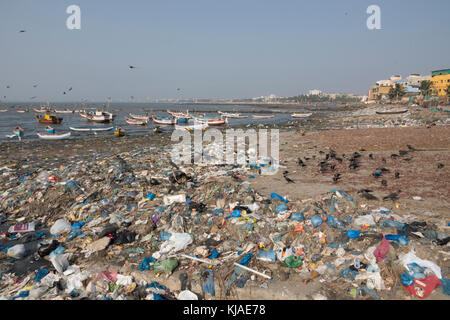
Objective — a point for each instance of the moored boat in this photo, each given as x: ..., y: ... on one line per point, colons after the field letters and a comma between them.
x: 42, y: 110
x: 180, y: 114
x: 139, y: 117
x: 301, y: 115
x: 49, y: 129
x: 165, y: 121
x: 391, y: 111
x: 67, y: 111
x: 262, y: 117
x: 135, y: 122
x: 98, y: 116
x: 91, y: 129
x: 3, y: 110
x: 212, y: 122
x: 46, y: 136
x: 49, y: 119
x: 231, y: 115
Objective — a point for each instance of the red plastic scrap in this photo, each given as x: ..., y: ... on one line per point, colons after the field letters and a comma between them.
x: 422, y: 288
x: 382, y: 250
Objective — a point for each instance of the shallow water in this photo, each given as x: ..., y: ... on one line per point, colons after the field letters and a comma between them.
x: 10, y: 119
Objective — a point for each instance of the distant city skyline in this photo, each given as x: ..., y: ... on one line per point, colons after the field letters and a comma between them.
x: 208, y: 49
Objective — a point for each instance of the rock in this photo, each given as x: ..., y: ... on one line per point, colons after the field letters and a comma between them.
x: 98, y: 245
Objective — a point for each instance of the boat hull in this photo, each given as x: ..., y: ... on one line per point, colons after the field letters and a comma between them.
x: 54, y: 136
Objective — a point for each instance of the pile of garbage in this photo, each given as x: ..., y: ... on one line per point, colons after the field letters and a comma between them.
x: 119, y: 226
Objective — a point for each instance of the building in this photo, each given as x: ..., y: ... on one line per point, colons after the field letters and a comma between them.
x: 378, y: 92
x: 415, y: 80
x: 314, y: 92
x: 440, y: 80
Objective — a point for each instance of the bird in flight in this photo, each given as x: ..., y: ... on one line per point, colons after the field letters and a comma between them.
x: 21, y: 31
x: 7, y: 87
x: 34, y: 86
x: 132, y: 67
x: 70, y: 89
x: 33, y: 97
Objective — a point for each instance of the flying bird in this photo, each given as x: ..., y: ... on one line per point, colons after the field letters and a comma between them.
x: 132, y: 67
x: 34, y: 86
x: 21, y: 31
x: 33, y: 97
x: 70, y: 89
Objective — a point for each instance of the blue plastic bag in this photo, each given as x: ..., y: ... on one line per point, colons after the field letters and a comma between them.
x: 145, y: 264
x: 280, y: 208
x: 297, y: 216
x: 276, y: 195
x: 269, y: 255
x: 353, y: 234
x: 41, y: 273
x: 406, y: 280
x: 400, y: 238
x: 316, y: 221
x: 208, y: 284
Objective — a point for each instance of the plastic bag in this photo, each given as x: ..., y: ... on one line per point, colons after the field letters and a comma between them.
x: 411, y: 257
x: 176, y: 242
x: 187, y: 295
x: 60, y: 226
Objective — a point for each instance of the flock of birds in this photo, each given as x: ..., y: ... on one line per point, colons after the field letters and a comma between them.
x: 326, y: 165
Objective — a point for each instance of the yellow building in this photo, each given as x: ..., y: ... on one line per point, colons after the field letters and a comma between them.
x: 378, y: 92
x: 440, y: 80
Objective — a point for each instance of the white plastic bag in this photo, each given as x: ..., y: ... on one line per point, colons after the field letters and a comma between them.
x: 411, y: 257
x: 187, y: 295
x: 176, y: 242
x: 59, y: 226
x: 367, y: 219
x: 18, y: 251
x: 168, y: 200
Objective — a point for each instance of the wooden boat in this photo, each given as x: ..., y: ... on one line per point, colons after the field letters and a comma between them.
x: 301, y: 115
x: 91, y: 129
x: 196, y: 126
x: 262, y: 117
x: 53, y: 136
x: 138, y: 117
x: 392, y: 111
x: 49, y: 129
x: 67, y: 111
x: 98, y: 116
x: 135, y: 122
x: 42, y: 110
x: 21, y: 111
x: 231, y: 115
x: 212, y: 122
x: 49, y: 119
x: 180, y: 114
x: 165, y: 121
x: 119, y: 132
x: 3, y: 110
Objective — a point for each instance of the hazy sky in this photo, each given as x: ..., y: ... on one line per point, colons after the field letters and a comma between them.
x: 212, y: 48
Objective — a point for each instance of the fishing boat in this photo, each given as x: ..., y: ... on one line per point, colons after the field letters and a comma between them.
x: 180, y: 114
x: 22, y: 110
x: 231, y: 115
x: 49, y: 129
x: 49, y: 119
x: 3, y: 110
x: 138, y: 117
x: 196, y: 126
x: 391, y: 111
x: 98, y: 116
x: 91, y: 129
x: 119, y: 132
x: 212, y: 122
x: 135, y: 122
x: 53, y: 136
x: 262, y: 117
x: 67, y: 111
x: 42, y: 110
x: 165, y: 121
x: 301, y: 115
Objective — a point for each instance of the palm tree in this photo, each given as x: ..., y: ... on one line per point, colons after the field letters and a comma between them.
x: 425, y: 88
x: 395, y: 93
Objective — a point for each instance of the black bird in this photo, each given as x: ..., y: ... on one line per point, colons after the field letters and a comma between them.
x: 132, y: 67
x: 34, y: 86
x: 383, y: 159
x: 70, y: 89
x: 366, y: 195
x: 64, y: 92
x: 384, y: 183
x: 301, y: 163
x: 21, y: 31
x: 321, y: 152
x: 407, y: 159
x: 7, y: 87
x: 411, y: 148
x: 393, y: 196
x: 336, y: 177
x: 394, y: 156
x: 383, y: 169
x: 332, y: 167
x: 338, y: 159
x: 371, y: 156
x: 33, y: 97
x: 402, y: 152
x: 440, y: 165
x: 287, y: 179
x: 356, y: 155
x: 397, y: 175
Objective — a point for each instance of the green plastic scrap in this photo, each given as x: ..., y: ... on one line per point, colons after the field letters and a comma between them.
x: 167, y: 266
x: 293, y: 261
